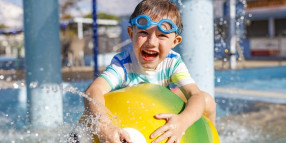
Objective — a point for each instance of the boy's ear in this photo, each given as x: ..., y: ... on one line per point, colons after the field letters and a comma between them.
x: 177, y: 40
x: 130, y: 32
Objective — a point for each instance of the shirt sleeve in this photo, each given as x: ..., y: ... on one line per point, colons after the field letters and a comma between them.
x: 114, y: 74
x: 181, y: 75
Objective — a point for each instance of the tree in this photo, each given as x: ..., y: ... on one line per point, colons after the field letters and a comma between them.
x: 3, y: 26
x: 103, y: 16
x: 66, y: 5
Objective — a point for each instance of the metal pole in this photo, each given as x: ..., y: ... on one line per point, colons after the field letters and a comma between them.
x: 232, y: 34
x: 197, y: 48
x: 95, y: 38
x: 80, y: 29
x: 43, y: 63
x: 271, y: 27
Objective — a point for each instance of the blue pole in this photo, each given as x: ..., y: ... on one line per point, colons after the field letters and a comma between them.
x: 197, y: 48
x: 43, y: 63
x: 95, y: 38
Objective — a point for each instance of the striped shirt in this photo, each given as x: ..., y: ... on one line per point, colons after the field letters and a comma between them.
x: 125, y: 71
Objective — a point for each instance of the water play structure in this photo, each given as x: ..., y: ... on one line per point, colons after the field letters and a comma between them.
x: 135, y: 107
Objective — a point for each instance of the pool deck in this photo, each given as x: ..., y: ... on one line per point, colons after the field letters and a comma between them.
x: 219, y: 64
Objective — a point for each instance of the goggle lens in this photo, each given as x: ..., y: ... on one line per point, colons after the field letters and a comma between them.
x: 142, y: 21
x: 166, y: 26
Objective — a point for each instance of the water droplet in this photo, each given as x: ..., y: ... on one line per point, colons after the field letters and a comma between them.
x: 15, y: 85
x: 33, y: 84
x: 9, y: 78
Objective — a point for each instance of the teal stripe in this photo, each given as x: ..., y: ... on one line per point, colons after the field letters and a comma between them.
x: 162, y: 75
x: 109, y: 82
x: 113, y: 71
x: 178, y: 62
x: 135, y: 78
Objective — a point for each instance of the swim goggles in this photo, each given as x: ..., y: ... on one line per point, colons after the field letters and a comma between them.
x: 165, y: 25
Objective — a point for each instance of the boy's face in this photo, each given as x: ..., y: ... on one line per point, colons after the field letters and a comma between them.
x: 151, y: 46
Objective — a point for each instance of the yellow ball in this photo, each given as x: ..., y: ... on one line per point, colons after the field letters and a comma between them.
x: 135, y: 107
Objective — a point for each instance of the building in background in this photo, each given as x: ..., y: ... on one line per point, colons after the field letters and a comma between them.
x: 260, y: 27
x: 266, y: 27
x: 77, y: 41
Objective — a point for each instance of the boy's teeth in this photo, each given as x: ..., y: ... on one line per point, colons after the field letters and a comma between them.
x: 149, y: 52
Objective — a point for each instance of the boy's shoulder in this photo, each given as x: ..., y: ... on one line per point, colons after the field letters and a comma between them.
x: 123, y: 54
x: 171, y: 60
x: 173, y: 55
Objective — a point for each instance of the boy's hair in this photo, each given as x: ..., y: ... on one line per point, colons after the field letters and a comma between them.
x: 159, y: 8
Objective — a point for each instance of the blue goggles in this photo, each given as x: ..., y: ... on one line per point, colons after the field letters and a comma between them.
x: 165, y: 25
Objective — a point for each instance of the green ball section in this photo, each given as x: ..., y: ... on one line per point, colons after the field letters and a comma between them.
x: 199, y: 132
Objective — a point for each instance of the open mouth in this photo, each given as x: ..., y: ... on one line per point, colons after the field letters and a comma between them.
x: 149, y: 55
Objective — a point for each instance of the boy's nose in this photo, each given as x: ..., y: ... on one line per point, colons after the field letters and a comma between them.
x: 152, y: 40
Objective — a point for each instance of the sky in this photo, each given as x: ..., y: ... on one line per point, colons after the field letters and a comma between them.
x: 11, y: 11
x: 11, y: 14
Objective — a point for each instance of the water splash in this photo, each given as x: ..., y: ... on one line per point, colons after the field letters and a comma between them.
x: 74, y: 90
x: 19, y: 131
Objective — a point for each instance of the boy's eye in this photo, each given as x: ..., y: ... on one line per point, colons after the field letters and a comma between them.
x: 163, y: 35
x: 143, y: 32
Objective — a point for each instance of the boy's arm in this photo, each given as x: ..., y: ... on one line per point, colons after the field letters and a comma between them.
x: 176, y: 125
x: 96, y: 91
x: 109, y: 132
x: 195, y: 105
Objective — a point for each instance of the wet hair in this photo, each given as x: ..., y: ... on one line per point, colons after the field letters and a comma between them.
x: 159, y: 8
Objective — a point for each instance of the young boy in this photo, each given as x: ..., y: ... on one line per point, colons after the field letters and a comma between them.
x: 155, y: 30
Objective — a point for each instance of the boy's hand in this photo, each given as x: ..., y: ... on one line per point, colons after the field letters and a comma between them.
x: 113, y: 134
x: 173, y: 130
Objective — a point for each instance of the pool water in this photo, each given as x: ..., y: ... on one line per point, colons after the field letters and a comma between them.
x: 272, y: 85
x: 253, y: 78
x: 258, y: 84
